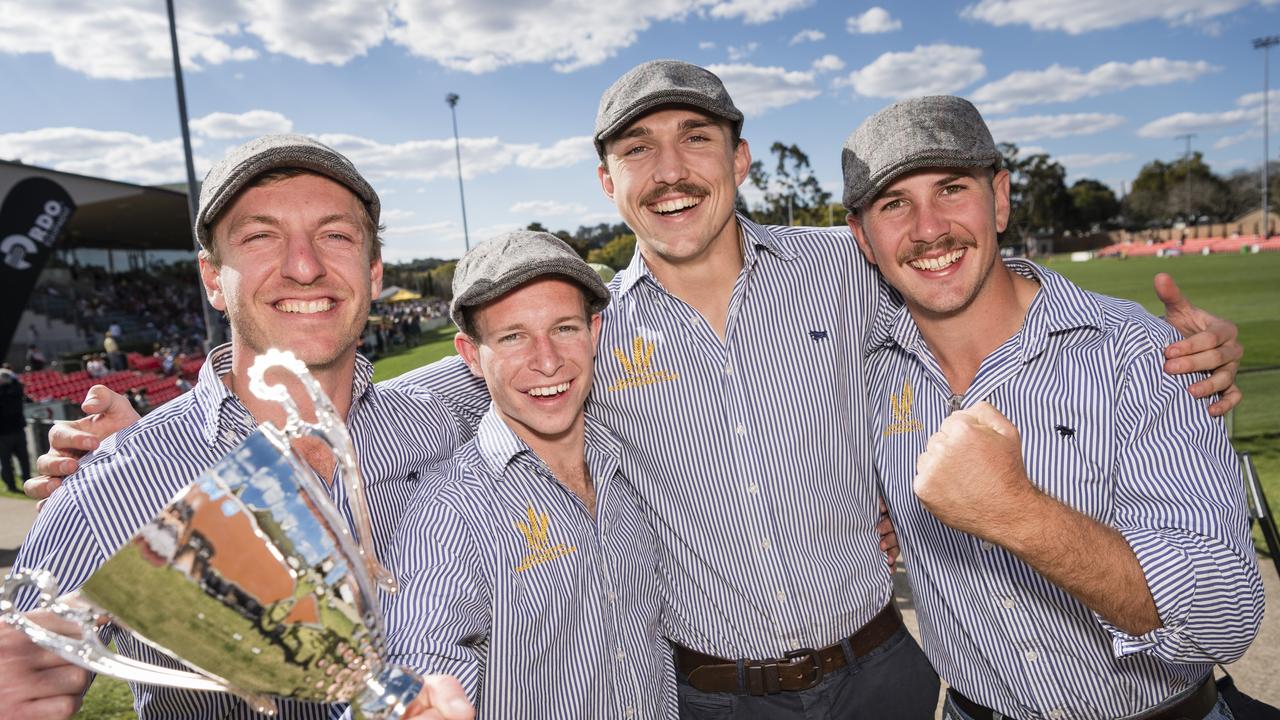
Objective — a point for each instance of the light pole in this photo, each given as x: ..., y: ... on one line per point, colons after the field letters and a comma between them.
x: 1186, y: 166
x: 452, y: 99
x: 1265, y: 43
x: 212, y: 325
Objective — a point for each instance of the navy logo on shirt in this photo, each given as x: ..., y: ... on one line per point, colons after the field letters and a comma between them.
x: 817, y: 335
x: 1064, y: 431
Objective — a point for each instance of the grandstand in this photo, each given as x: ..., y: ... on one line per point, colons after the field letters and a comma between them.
x: 1190, y: 246
x: 44, y: 386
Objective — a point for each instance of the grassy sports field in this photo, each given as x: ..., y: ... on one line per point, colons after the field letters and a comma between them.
x: 1244, y: 288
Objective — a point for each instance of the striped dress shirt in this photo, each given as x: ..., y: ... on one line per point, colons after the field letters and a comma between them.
x: 511, y: 585
x: 399, y: 433
x: 750, y: 454
x: 1106, y: 431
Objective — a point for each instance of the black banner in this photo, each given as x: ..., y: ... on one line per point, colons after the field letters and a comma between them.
x: 31, y: 218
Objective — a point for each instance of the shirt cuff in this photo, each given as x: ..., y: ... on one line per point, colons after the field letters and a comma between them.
x: 1171, y: 578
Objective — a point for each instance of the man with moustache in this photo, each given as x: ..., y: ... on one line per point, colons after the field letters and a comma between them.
x: 290, y: 251
x: 1075, y: 524
x: 732, y: 370
x: 529, y: 570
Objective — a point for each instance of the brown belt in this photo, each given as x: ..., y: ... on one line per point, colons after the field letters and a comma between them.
x: 1192, y: 707
x: 797, y: 670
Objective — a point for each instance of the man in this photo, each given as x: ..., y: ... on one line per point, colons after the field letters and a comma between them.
x: 734, y: 377
x: 290, y: 252
x: 13, y: 429
x: 529, y: 571
x: 1075, y: 527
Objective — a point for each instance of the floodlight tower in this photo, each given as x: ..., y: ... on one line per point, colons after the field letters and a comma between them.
x: 452, y: 99
x: 1265, y: 43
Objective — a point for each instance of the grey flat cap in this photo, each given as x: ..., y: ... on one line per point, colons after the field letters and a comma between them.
x: 657, y: 83
x: 935, y: 131
x: 272, y: 152
x: 500, y: 264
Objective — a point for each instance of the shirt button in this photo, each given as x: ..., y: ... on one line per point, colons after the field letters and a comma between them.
x: 765, y: 545
x: 1008, y: 602
x: 782, y: 596
x: 1057, y: 714
x: 741, y: 429
x: 753, y: 488
x: 692, y: 320
x: 1032, y: 656
x: 985, y: 545
x: 622, y: 655
x: 631, y: 711
x: 728, y: 369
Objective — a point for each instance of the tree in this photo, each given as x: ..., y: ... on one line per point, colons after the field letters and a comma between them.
x: 1093, y: 205
x: 1184, y: 190
x: 1039, y: 201
x: 616, y: 253
x: 792, y: 195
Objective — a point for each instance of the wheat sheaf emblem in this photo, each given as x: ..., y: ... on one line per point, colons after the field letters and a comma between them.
x: 637, y: 366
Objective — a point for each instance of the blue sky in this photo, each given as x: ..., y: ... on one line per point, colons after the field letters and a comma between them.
x: 1102, y: 85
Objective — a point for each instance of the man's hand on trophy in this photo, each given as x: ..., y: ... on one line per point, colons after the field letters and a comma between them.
x: 105, y: 413
x: 35, y: 683
x: 442, y: 698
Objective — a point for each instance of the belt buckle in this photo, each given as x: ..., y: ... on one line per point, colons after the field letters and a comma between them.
x: 796, y: 655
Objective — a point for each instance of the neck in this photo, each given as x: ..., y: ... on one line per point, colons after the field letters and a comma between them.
x: 705, y: 281
x: 960, y: 341
x: 566, y: 456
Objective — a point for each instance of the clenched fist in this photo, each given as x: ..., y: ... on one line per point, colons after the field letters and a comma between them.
x: 971, y: 475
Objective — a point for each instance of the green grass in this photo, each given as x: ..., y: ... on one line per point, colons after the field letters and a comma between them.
x: 1242, y: 288
x: 436, y: 344
x: 107, y: 699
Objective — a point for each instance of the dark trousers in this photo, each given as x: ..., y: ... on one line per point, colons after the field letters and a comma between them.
x: 893, y: 681
x: 14, y: 443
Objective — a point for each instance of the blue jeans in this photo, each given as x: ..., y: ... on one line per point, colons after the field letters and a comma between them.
x: 1220, y: 711
x: 893, y: 681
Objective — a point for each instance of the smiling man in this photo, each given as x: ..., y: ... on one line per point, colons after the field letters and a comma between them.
x: 529, y: 571
x: 1073, y: 518
x: 290, y: 251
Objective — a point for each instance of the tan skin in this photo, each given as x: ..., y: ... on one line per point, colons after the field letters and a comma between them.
x: 971, y: 475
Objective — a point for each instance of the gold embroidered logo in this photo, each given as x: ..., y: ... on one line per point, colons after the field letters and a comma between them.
x: 536, y: 535
x: 637, y: 370
x: 900, y: 405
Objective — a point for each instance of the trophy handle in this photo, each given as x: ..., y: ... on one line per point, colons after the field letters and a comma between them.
x: 87, y: 650
x: 332, y: 429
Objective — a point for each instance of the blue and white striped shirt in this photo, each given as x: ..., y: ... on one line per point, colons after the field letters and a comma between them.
x: 511, y: 585
x: 399, y: 434
x: 1105, y: 430
x: 750, y: 454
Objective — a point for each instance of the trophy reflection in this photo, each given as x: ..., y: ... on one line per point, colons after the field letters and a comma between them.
x: 250, y: 576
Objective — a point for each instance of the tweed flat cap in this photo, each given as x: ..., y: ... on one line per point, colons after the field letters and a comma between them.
x: 657, y: 83
x: 273, y: 152
x: 500, y: 264
x: 935, y: 131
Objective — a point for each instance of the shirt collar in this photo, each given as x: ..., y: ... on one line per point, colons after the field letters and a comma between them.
x: 1058, y: 306
x: 754, y: 237
x: 222, y: 409
x: 499, y: 445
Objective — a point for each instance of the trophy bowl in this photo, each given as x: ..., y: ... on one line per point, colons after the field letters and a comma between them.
x: 249, y: 575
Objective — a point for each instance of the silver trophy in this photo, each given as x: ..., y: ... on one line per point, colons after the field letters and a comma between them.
x: 250, y: 576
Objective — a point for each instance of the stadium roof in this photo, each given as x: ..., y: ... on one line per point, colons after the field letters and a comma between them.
x: 112, y: 215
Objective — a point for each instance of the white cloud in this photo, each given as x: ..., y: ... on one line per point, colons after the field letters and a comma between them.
x: 426, y: 160
x: 484, y: 35
x: 547, y: 208
x: 1065, y: 84
x: 332, y: 32
x: 1192, y: 122
x: 807, y: 36
x: 737, y: 54
x: 100, y: 153
x: 874, y: 21
x: 1081, y: 16
x: 756, y: 89
x: 1229, y: 140
x: 1035, y: 127
x: 828, y: 63
x: 224, y: 126
x: 1086, y: 160
x: 926, y: 70
x: 755, y: 12
x: 561, y: 153
x: 706, y: 45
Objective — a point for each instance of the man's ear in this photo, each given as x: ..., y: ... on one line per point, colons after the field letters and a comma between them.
x: 595, y: 331
x: 606, y: 180
x: 1000, y: 186
x: 469, y: 351
x: 860, y: 234
x: 375, y: 276
x: 211, y: 278
x: 741, y: 161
